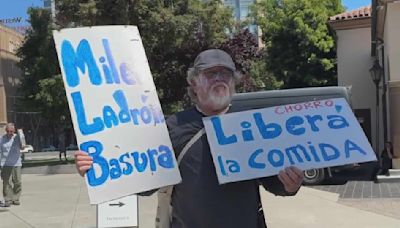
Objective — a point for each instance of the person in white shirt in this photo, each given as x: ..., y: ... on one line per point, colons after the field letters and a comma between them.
x: 10, y: 163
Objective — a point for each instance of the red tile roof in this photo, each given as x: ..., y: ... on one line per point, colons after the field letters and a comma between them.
x: 363, y: 12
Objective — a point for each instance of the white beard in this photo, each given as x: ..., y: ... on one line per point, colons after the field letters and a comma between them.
x: 218, y: 101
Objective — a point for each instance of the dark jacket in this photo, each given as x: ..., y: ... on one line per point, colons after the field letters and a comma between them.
x: 200, y: 201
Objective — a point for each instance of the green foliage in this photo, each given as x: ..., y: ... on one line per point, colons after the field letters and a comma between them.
x: 261, y: 78
x: 243, y: 47
x: 173, y: 33
x: 299, y: 44
x: 73, y: 13
x: 41, y: 85
x: 51, y: 94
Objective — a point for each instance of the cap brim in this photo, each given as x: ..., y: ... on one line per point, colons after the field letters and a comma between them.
x: 208, y: 66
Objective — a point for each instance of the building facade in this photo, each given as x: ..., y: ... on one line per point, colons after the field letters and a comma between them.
x: 387, y: 36
x: 353, y: 30
x: 241, y: 11
x: 10, y: 74
x: 366, y: 36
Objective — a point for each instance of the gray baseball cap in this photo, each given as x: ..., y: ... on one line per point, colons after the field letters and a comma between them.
x: 212, y: 58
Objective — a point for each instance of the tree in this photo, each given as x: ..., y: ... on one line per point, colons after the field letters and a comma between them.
x: 300, y: 47
x: 243, y: 47
x: 183, y: 29
x: 41, y: 85
x: 261, y: 77
x: 75, y: 13
x: 173, y: 33
x: 38, y: 61
x: 37, y: 54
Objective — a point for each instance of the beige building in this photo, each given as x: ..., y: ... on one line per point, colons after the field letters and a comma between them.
x: 388, y: 34
x: 10, y: 74
x: 365, y: 36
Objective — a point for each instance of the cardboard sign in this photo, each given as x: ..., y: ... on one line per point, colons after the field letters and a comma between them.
x: 260, y: 143
x: 115, y: 110
x: 118, y: 213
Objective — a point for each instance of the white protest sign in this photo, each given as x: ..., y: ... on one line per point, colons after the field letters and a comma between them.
x: 118, y: 213
x: 260, y: 143
x: 115, y: 110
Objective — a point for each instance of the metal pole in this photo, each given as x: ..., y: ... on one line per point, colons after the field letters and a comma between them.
x: 384, y: 92
x: 377, y: 119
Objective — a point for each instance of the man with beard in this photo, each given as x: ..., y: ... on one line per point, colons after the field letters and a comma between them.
x: 199, y: 201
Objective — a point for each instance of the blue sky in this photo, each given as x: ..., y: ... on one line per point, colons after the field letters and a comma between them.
x: 17, y: 8
x: 354, y: 4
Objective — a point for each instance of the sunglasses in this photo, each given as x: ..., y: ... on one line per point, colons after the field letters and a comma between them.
x: 222, y: 74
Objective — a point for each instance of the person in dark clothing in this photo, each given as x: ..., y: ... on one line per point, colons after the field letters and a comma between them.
x: 61, y: 146
x: 199, y: 201
x: 386, y: 159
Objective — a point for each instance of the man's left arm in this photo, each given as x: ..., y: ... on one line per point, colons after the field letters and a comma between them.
x: 286, y: 183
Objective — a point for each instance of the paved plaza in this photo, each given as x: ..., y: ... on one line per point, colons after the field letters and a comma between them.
x: 57, y: 197
x: 363, y: 190
x: 380, y: 198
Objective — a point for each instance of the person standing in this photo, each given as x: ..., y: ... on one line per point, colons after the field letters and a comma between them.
x: 10, y: 162
x: 61, y: 146
x: 199, y: 200
x: 386, y: 158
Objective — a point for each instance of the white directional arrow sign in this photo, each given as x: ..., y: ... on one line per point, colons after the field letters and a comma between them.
x: 122, y: 212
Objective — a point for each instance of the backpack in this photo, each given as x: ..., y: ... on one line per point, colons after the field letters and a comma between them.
x: 164, y: 209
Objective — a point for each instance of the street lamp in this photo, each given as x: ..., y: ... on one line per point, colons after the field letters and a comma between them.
x: 376, y: 75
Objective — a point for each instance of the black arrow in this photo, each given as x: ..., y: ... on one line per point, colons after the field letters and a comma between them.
x: 120, y: 204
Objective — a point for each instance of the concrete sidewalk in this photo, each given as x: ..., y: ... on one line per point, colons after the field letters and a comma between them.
x: 61, y: 200
x: 312, y: 208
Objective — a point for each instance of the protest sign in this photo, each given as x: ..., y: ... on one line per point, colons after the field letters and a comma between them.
x: 115, y: 111
x: 260, y: 143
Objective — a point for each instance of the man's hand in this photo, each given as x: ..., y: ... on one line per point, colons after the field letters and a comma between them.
x: 291, y: 178
x: 83, y: 162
